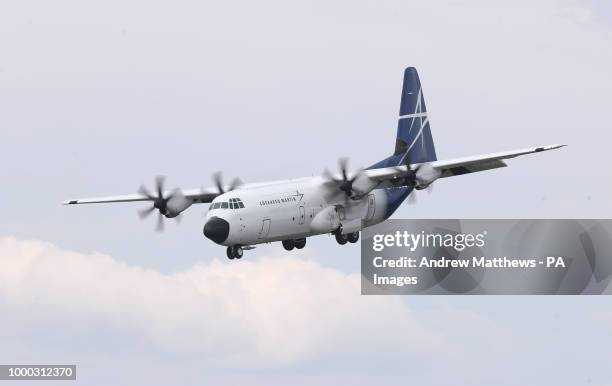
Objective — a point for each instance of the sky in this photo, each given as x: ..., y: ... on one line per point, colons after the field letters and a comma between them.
x: 99, y: 97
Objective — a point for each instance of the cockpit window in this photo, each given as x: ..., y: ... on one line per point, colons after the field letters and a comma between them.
x: 233, y: 203
x: 236, y: 203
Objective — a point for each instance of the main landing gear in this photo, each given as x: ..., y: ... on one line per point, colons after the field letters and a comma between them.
x: 290, y: 244
x: 343, y: 239
x: 234, y: 252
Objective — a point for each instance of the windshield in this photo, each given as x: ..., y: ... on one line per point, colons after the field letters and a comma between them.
x: 233, y: 203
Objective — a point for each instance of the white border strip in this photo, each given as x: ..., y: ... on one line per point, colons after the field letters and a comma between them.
x: 415, y: 115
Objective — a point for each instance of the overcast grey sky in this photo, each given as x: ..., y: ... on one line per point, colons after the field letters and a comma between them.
x: 98, y: 97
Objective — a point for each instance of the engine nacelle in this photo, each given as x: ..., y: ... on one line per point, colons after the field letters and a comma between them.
x: 325, y: 221
x: 176, y: 204
x: 364, y: 185
x: 426, y: 174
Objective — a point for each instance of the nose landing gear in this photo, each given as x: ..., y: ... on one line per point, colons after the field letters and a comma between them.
x: 234, y: 252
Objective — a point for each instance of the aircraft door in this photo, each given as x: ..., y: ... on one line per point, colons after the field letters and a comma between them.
x: 302, y: 215
x: 265, y: 228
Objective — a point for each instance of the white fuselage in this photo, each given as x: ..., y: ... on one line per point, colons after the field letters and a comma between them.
x: 293, y: 209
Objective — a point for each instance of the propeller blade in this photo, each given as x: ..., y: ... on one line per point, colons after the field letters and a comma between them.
x: 412, y: 198
x: 236, y: 182
x: 160, y: 223
x: 328, y: 176
x: 343, y: 164
x: 144, y: 213
x: 218, y: 182
x: 159, y: 185
x: 145, y: 192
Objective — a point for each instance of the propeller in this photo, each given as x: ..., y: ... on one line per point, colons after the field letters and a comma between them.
x: 218, y: 179
x: 410, y: 176
x: 344, y: 184
x: 410, y: 179
x: 160, y: 203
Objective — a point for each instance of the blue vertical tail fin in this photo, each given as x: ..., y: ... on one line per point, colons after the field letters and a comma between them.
x: 414, y: 143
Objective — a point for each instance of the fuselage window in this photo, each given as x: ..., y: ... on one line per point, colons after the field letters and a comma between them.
x: 240, y: 204
x: 217, y: 205
x: 224, y: 205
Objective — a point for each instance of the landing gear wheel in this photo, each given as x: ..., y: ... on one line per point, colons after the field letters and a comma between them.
x: 353, y: 237
x: 288, y: 244
x: 299, y: 243
x: 341, y: 239
x: 234, y: 252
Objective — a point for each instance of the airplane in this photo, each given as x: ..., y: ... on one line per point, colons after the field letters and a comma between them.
x: 241, y: 216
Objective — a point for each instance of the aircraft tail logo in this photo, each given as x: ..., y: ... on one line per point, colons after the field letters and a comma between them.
x: 414, y: 143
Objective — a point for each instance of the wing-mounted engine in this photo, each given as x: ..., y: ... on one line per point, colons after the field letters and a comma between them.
x: 349, y: 187
x: 177, y: 203
x: 169, y: 205
x: 419, y: 177
x: 424, y: 175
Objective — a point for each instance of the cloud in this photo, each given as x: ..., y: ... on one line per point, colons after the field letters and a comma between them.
x: 265, y: 321
x: 244, y: 313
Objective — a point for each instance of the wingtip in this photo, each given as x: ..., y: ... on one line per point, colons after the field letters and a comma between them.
x: 70, y: 202
x: 549, y: 147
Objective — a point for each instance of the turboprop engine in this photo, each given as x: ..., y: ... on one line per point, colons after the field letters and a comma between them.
x: 177, y: 203
x: 169, y: 205
x: 424, y: 175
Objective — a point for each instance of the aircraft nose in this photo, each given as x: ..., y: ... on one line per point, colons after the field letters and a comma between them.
x: 216, y: 229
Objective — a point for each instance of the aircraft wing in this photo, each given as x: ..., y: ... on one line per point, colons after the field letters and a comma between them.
x: 456, y: 166
x: 196, y: 195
